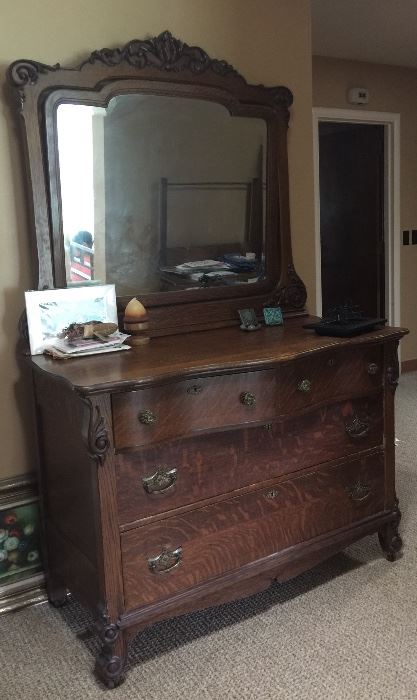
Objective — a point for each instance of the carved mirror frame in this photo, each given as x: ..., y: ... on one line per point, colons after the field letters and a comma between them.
x: 162, y: 66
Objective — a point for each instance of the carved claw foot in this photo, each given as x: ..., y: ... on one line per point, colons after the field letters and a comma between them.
x: 111, y: 660
x: 109, y: 668
x: 59, y: 602
x: 57, y: 596
x: 389, y: 539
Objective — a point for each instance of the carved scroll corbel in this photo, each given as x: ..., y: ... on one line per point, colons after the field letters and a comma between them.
x: 95, y: 432
x: 393, y: 367
x: 291, y: 293
x: 24, y: 72
x: 283, y: 98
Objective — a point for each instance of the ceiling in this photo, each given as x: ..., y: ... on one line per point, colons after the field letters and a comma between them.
x: 379, y: 31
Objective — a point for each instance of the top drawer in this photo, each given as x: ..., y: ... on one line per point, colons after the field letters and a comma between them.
x: 181, y: 408
x: 334, y: 375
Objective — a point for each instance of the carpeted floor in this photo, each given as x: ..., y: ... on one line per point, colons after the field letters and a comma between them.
x: 347, y: 629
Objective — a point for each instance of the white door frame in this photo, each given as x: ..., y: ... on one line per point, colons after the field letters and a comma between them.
x: 391, y: 122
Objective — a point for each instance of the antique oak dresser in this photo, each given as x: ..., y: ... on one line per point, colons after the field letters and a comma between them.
x: 200, y: 467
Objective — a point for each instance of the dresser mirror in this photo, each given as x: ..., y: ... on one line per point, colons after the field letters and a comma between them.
x: 160, y: 194
x: 161, y: 170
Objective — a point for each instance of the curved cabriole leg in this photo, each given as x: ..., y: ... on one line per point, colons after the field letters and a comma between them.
x: 389, y: 538
x: 112, y: 657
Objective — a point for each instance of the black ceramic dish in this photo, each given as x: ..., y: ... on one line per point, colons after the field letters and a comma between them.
x: 345, y: 329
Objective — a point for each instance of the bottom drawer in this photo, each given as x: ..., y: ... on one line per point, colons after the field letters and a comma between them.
x: 178, y: 553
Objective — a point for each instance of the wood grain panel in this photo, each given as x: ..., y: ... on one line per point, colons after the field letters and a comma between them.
x: 68, y: 473
x: 208, y: 465
x: 225, y: 536
x: 182, y: 408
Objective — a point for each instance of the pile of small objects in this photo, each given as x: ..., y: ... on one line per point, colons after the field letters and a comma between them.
x: 19, y: 542
x: 90, y: 330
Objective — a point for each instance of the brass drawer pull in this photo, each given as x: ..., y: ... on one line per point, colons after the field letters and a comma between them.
x: 147, y: 417
x: 161, y: 481
x: 195, y: 389
x: 373, y: 368
x: 273, y: 493
x: 357, y: 428
x: 166, y: 561
x: 359, y: 491
x: 247, y: 398
x: 304, y: 386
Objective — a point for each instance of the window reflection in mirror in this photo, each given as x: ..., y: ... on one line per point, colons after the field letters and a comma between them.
x: 161, y: 193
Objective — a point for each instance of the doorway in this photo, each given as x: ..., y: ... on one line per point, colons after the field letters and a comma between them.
x: 352, y: 227
x: 357, y: 211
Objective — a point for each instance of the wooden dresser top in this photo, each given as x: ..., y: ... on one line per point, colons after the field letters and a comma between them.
x: 199, y: 353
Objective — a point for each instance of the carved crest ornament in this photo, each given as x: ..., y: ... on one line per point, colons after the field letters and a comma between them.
x: 164, y: 52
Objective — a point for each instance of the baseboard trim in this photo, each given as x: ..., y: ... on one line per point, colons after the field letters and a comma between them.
x: 409, y: 366
x: 30, y: 592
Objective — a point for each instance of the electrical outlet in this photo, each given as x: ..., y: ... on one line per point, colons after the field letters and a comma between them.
x: 414, y: 236
x: 406, y: 237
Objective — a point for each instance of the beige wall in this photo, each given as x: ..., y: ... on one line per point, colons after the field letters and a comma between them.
x: 268, y: 42
x: 392, y: 89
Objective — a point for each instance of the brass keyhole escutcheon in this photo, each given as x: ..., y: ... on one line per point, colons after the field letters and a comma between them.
x: 273, y: 493
x: 304, y: 386
x: 194, y: 389
x: 247, y: 398
x: 147, y: 417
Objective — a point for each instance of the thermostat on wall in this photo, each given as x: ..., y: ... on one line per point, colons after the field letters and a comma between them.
x: 358, y: 96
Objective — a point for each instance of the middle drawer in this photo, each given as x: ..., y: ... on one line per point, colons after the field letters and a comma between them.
x: 158, y: 479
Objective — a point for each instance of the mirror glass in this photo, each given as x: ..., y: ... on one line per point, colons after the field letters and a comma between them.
x: 161, y: 193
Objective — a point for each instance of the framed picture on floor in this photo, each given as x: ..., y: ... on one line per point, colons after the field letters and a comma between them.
x: 21, y: 577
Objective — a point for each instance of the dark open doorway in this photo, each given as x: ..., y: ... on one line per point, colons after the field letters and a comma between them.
x: 351, y: 162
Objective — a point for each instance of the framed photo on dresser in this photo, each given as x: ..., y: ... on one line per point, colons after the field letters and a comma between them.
x: 50, y: 311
